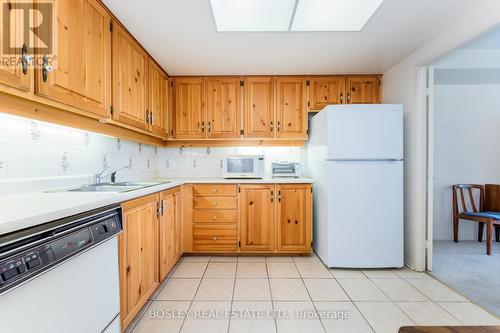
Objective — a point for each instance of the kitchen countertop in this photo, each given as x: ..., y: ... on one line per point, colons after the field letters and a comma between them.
x: 26, y: 210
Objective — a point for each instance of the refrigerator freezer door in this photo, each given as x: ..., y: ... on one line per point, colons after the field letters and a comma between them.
x: 363, y: 132
x: 365, y: 214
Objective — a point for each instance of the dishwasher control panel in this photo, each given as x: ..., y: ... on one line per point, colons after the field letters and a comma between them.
x: 54, y: 249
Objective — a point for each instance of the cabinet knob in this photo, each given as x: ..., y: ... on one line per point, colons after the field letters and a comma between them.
x: 215, y: 203
x: 214, y: 238
x: 215, y: 217
x: 214, y: 190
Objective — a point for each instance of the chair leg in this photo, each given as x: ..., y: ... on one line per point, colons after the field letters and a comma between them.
x: 489, y: 231
x: 480, y: 230
x: 497, y: 233
x: 455, y: 229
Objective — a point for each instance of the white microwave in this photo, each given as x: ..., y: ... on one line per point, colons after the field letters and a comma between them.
x: 243, y: 166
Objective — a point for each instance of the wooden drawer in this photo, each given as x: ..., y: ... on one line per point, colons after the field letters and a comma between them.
x: 215, y: 203
x: 215, y: 216
x: 215, y: 189
x: 215, y: 237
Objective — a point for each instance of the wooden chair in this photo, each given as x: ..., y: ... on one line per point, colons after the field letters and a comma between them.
x: 481, y: 216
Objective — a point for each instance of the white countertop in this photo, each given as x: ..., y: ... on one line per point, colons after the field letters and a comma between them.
x: 25, y: 210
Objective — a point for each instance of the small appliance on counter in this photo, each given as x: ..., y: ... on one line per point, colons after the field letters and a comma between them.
x: 286, y: 169
x: 243, y: 166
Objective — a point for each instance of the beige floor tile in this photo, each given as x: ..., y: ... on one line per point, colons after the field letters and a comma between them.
x: 427, y: 314
x: 288, y: 290
x: 362, y: 290
x: 162, y: 317
x: 189, y: 270
x: 399, y: 290
x: 298, y: 318
x: 224, y: 259
x: 384, y: 317
x: 313, y: 271
x: 215, y: 290
x: 279, y: 259
x: 408, y: 273
x: 251, y: 317
x: 252, y: 290
x: 435, y: 290
x: 313, y: 258
x: 380, y: 274
x: 469, y: 313
x: 251, y: 259
x: 347, y: 273
x: 251, y: 270
x: 178, y: 290
x: 218, y: 270
x: 342, y: 317
x: 196, y: 259
x: 325, y: 290
x: 207, y: 317
x: 130, y: 328
x: 282, y: 270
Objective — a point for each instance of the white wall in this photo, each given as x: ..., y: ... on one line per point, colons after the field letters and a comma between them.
x: 401, y: 85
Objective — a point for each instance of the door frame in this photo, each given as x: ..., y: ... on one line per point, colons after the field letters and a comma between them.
x: 428, y: 75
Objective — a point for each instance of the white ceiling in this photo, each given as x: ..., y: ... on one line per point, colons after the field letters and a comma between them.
x: 181, y: 36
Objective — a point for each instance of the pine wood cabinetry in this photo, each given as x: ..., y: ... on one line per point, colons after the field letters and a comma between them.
x: 291, y: 113
x: 169, y: 231
x: 356, y: 89
x: 81, y: 75
x: 158, y: 100
x: 138, y: 255
x: 259, y: 112
x: 293, y: 218
x: 130, y: 80
x: 189, y: 109
x: 149, y: 247
x: 223, y: 97
x: 257, y: 207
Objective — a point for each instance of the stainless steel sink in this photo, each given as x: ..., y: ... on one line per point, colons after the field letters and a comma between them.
x: 114, y: 187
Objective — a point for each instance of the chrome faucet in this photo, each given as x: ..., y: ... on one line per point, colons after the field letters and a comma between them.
x: 99, y: 176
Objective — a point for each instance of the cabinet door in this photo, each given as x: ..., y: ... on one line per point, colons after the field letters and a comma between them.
x: 257, y: 208
x: 223, y: 107
x: 177, y: 226
x: 158, y: 99
x: 167, y: 234
x: 138, y: 249
x: 259, y: 107
x: 82, y: 70
x: 291, y: 115
x: 189, y: 112
x: 363, y: 90
x: 325, y: 90
x: 294, y: 219
x: 13, y: 75
x: 130, y: 80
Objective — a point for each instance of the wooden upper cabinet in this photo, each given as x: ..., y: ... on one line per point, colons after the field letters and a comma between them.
x: 15, y: 76
x: 363, y: 89
x: 291, y: 113
x: 294, y: 218
x: 130, y: 80
x: 325, y: 90
x: 158, y: 99
x: 258, y: 109
x: 138, y: 255
x: 189, y: 111
x: 223, y: 107
x: 257, y: 209
x: 81, y: 75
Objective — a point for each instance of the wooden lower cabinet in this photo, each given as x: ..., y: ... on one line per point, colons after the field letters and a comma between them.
x: 169, y: 231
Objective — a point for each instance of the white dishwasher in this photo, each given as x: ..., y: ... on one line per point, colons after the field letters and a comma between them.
x: 62, y: 276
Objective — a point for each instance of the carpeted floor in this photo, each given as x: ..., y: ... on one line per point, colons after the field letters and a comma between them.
x: 465, y: 267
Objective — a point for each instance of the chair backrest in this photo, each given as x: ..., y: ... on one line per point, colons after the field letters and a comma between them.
x: 467, y: 201
x: 492, y: 198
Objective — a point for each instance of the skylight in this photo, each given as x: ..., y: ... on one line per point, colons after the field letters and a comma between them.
x: 293, y: 15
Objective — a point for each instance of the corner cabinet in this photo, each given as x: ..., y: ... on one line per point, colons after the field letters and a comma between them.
x: 130, y: 80
x: 158, y: 100
x: 82, y: 70
x: 170, y: 249
x: 138, y: 255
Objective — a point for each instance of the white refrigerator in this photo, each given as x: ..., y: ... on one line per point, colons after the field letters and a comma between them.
x: 355, y: 156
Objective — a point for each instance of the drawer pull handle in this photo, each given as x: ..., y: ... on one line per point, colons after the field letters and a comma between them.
x: 214, y: 238
x: 296, y: 222
x: 289, y: 220
x: 215, y: 217
x: 215, y: 190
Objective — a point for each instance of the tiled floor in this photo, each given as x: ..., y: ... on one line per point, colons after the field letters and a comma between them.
x: 298, y: 294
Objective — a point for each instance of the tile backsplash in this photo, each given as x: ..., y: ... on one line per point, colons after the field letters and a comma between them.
x: 33, y: 149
